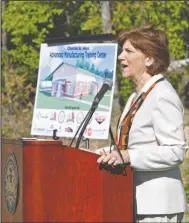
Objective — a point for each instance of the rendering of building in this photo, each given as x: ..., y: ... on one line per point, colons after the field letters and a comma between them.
x: 71, y: 81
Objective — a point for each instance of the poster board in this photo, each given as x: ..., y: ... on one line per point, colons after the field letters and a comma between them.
x: 69, y: 77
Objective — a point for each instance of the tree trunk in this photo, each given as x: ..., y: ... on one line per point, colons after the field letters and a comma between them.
x: 106, y: 17
x: 107, y: 28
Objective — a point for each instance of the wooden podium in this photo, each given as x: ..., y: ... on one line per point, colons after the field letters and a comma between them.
x: 58, y: 183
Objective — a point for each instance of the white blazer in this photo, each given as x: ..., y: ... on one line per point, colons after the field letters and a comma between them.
x: 157, y: 146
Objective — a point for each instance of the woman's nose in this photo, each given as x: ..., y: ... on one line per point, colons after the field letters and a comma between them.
x: 121, y: 56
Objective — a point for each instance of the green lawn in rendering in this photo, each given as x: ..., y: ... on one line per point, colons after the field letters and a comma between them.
x: 46, y: 101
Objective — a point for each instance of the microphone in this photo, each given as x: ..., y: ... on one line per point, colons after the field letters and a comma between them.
x: 107, y: 85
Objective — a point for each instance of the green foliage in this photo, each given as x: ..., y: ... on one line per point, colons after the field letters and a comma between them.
x: 125, y: 86
x: 176, y: 80
x: 185, y: 173
x: 185, y: 177
x: 92, y: 12
x: 165, y: 16
x: 169, y: 16
x: 180, y: 81
x: 17, y: 107
x: 28, y: 25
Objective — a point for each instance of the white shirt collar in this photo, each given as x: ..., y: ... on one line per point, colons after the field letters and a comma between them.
x: 151, y: 81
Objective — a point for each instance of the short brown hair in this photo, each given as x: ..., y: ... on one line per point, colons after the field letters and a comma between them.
x: 152, y: 42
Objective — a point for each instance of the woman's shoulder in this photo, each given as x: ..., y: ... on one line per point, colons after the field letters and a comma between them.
x: 164, y: 88
x: 166, y: 92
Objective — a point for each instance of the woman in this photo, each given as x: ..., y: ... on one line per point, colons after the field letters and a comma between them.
x: 150, y: 132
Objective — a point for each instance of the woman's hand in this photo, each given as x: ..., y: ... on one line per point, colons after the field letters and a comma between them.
x: 113, y: 157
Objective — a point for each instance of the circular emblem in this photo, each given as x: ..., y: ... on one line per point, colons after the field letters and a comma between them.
x: 11, y: 183
x: 80, y: 117
x: 61, y: 117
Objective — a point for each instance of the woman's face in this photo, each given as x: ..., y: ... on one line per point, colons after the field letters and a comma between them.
x: 132, y: 60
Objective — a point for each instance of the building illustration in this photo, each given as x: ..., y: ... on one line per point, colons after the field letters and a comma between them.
x: 71, y: 81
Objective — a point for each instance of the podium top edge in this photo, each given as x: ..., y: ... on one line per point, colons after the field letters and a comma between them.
x: 41, y: 142
x: 32, y: 141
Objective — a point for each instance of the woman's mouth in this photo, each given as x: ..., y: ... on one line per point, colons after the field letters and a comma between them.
x: 124, y: 66
x: 125, y: 70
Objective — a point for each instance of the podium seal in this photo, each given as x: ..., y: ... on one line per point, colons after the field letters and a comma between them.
x: 11, y: 183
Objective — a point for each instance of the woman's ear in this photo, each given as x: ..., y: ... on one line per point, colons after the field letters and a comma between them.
x: 149, y: 61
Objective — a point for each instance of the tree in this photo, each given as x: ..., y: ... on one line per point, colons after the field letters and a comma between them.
x: 4, y: 37
x: 169, y: 16
x: 106, y: 17
x: 28, y: 25
x: 16, y: 105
